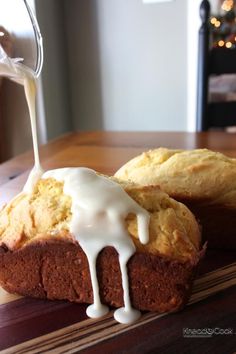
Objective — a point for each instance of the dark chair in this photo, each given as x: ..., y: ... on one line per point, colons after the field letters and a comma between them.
x: 212, y: 61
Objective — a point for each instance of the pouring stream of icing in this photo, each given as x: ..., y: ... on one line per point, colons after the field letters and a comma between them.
x: 21, y: 74
x: 99, y: 205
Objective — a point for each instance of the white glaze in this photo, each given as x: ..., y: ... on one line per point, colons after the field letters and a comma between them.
x: 99, y: 205
x: 21, y: 74
x: 99, y: 209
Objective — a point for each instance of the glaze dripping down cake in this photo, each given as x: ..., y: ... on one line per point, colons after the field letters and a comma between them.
x: 40, y: 257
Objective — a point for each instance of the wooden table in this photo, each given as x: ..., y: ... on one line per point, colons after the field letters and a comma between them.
x: 64, y: 326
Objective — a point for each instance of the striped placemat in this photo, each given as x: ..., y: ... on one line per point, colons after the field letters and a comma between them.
x: 89, y: 332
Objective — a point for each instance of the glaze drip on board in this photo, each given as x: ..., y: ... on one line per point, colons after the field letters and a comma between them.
x: 99, y: 205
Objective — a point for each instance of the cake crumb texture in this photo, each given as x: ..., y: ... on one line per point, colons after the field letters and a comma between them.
x: 57, y: 270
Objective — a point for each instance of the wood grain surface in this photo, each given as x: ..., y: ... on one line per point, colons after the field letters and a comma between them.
x: 37, y: 326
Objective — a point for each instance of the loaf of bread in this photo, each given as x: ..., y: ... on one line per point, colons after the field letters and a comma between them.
x: 202, y: 179
x: 40, y: 258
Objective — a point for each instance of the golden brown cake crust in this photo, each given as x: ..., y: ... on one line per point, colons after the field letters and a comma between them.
x: 40, y: 258
x: 199, y: 174
x: 203, y: 180
x: 58, y: 269
x: 173, y: 230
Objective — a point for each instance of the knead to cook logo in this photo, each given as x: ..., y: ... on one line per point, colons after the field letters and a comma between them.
x: 206, y: 332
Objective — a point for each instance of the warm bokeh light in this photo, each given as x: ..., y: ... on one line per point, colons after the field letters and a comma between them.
x: 213, y: 20
x: 227, y: 5
x: 228, y: 44
x: 221, y: 43
x: 217, y: 24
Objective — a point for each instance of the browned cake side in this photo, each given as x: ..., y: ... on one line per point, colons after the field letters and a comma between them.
x: 217, y: 221
x: 57, y: 269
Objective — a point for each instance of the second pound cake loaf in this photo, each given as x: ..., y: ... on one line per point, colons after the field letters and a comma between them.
x: 202, y: 179
x: 39, y: 256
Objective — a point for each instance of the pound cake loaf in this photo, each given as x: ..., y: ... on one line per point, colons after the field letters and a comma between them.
x: 202, y: 179
x: 39, y: 257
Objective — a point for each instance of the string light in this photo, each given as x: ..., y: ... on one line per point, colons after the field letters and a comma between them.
x: 227, y: 5
x: 223, y: 27
x: 221, y: 43
x: 213, y: 20
x: 228, y: 44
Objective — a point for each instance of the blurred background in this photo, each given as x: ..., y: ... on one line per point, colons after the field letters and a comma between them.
x: 109, y: 65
